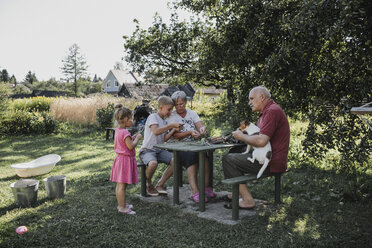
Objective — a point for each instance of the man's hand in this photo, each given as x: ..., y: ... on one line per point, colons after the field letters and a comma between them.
x: 238, y: 135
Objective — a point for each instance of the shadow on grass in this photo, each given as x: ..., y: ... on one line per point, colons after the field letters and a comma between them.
x: 40, y: 201
x: 15, y: 177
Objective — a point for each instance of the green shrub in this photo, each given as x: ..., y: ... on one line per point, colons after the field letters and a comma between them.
x: 105, y: 116
x: 34, y: 104
x: 23, y: 122
x: 4, y: 93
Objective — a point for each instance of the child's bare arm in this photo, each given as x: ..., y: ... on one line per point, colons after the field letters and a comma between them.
x: 181, y: 135
x: 156, y: 130
x: 170, y: 134
x: 131, y: 144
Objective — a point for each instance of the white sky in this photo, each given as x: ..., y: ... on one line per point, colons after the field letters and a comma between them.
x: 35, y: 34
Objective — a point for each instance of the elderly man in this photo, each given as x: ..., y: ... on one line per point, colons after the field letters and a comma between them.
x: 274, y: 127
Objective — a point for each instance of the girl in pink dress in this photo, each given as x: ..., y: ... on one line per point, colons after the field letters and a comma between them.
x: 124, y: 170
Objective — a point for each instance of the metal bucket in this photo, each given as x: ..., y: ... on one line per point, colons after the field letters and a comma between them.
x: 25, y: 191
x: 55, y: 186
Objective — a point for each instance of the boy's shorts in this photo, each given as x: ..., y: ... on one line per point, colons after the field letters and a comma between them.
x: 159, y: 155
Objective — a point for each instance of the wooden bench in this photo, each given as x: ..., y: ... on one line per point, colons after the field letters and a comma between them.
x: 108, y: 130
x: 235, y: 181
x: 143, y: 178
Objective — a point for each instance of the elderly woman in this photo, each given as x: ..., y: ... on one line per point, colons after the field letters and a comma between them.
x: 193, y: 128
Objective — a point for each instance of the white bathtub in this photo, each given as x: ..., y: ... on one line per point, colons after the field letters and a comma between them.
x: 37, y: 167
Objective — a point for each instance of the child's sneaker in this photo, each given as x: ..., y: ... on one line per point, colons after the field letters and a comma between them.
x: 209, y: 192
x: 195, y: 198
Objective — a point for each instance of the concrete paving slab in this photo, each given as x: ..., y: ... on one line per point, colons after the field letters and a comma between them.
x: 214, y: 209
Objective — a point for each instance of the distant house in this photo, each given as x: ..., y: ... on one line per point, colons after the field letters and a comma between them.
x: 212, y: 92
x: 129, y: 84
x: 146, y: 91
x: 115, y: 79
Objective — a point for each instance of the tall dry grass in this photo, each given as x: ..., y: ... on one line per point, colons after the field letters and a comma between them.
x: 83, y: 110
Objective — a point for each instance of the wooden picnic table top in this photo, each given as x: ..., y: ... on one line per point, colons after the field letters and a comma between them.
x: 194, y: 146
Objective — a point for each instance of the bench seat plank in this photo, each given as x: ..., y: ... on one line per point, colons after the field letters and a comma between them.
x: 243, y: 179
x: 235, y: 181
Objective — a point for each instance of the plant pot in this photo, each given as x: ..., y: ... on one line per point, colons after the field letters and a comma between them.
x: 55, y: 186
x: 25, y: 192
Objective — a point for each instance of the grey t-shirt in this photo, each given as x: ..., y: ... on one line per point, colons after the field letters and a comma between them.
x: 150, y: 139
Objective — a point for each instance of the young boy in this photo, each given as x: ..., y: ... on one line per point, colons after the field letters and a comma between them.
x: 156, y: 129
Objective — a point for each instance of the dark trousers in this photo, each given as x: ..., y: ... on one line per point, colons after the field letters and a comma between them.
x: 236, y: 164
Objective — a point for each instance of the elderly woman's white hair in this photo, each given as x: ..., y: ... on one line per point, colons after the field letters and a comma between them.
x: 178, y: 94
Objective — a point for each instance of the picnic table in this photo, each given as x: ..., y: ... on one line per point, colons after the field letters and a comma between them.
x: 203, y: 149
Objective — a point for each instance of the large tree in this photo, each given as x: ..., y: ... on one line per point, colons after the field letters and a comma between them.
x: 314, y: 56
x: 74, y: 66
x: 4, y: 76
x: 30, y: 77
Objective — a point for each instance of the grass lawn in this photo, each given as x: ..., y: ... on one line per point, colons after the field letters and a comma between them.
x: 320, y: 207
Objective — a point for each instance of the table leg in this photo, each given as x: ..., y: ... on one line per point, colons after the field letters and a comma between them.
x: 180, y: 177
x: 201, y: 181
x: 210, y: 169
x: 176, y: 190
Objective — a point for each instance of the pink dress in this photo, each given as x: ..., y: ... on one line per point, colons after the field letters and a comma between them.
x: 124, y: 169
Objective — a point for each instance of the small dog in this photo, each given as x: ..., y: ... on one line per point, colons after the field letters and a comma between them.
x: 261, y: 154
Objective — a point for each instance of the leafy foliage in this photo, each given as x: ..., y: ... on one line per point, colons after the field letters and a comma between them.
x: 30, y: 77
x: 24, y: 122
x: 4, y: 76
x: 314, y: 57
x: 4, y: 93
x: 105, y: 116
x: 34, y: 104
